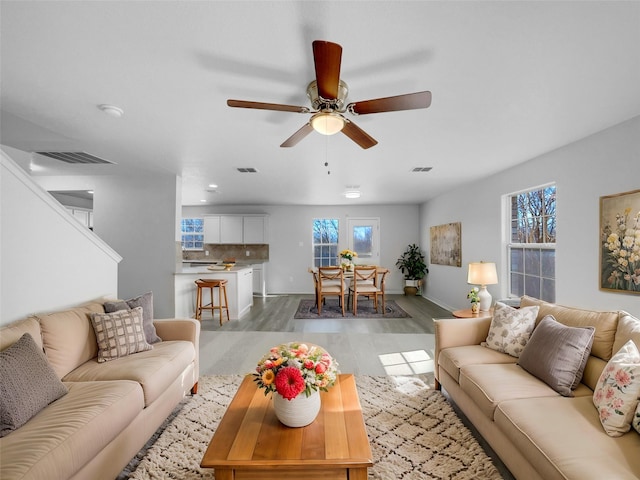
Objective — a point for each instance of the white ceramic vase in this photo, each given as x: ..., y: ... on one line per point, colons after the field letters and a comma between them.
x: 299, y: 411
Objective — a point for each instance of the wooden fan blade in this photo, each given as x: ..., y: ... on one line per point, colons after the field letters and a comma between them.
x: 299, y: 135
x: 267, y: 106
x: 358, y: 135
x: 327, y: 57
x: 409, y: 101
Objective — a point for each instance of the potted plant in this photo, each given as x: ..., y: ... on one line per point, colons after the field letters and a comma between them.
x: 413, y: 266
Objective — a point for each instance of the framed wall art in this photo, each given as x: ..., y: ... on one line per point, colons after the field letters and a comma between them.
x: 620, y: 242
x: 446, y: 244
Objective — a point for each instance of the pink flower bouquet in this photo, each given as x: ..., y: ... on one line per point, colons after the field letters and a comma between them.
x: 293, y: 368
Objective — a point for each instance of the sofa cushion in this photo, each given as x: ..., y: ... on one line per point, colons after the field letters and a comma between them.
x: 119, y: 334
x: 618, y: 390
x: 11, y: 333
x: 488, y: 385
x: 453, y: 358
x: 146, y: 302
x: 557, y: 354
x: 628, y: 329
x: 511, y: 328
x: 68, y: 337
x: 559, y: 434
x: 28, y: 384
x: 153, y: 369
x: 62, y: 438
x: 605, y: 323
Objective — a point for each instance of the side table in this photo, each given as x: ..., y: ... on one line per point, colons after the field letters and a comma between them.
x: 467, y: 313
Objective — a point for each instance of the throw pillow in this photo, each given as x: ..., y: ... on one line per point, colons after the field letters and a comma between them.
x: 119, y: 334
x: 618, y: 390
x: 511, y: 328
x: 28, y: 384
x: 146, y: 302
x: 557, y: 354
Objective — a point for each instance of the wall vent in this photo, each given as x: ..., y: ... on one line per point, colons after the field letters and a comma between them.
x: 76, y: 158
x: 421, y: 169
x: 247, y: 170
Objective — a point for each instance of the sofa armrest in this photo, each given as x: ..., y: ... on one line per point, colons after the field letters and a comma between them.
x: 186, y: 329
x: 457, y: 332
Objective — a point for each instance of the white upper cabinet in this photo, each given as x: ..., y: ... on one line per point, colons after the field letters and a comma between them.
x: 231, y: 229
x: 237, y: 229
x: 255, y: 229
x: 212, y: 229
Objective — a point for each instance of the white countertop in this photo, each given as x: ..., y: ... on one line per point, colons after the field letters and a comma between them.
x: 204, y: 269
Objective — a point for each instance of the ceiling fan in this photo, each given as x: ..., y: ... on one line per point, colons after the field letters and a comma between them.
x: 327, y: 94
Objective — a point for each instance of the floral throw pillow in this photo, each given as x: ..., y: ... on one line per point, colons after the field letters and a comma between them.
x: 618, y: 391
x: 511, y: 328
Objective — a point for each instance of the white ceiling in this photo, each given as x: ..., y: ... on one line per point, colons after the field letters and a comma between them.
x: 510, y: 81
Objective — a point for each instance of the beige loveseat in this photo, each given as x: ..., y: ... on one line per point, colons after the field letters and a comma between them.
x: 535, y: 431
x: 111, y: 408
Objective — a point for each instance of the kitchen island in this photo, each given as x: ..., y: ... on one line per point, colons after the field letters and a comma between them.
x: 239, y: 289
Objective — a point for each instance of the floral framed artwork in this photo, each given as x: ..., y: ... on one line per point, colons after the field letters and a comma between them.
x: 620, y: 242
x: 446, y: 244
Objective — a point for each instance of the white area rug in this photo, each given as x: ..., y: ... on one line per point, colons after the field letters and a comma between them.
x: 413, y: 431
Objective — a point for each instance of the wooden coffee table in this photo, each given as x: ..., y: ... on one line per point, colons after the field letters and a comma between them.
x: 251, y: 444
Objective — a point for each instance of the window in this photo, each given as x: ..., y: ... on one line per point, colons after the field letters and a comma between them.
x: 192, y: 233
x: 531, y: 249
x: 364, y: 238
x: 325, y: 242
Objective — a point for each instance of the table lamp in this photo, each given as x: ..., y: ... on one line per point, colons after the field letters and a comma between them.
x: 483, y: 274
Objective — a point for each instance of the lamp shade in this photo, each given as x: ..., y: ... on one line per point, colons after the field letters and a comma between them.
x: 482, y: 273
x: 327, y: 123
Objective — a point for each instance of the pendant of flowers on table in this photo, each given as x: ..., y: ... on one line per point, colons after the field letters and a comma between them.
x: 292, y: 368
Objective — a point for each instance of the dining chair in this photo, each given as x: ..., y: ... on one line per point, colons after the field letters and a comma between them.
x: 330, y: 283
x: 314, y: 274
x: 365, y: 284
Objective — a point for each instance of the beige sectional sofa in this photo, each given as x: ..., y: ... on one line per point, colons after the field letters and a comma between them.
x: 111, y: 408
x: 536, y: 432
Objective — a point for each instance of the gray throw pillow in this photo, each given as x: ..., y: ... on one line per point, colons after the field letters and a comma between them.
x: 146, y: 302
x: 28, y: 384
x: 557, y: 354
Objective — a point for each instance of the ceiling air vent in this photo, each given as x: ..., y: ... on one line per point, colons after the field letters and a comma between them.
x: 76, y: 158
x: 421, y: 169
x: 247, y: 170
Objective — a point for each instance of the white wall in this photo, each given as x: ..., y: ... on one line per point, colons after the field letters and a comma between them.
x: 290, y: 238
x: 136, y: 215
x: 48, y: 260
x: 605, y: 163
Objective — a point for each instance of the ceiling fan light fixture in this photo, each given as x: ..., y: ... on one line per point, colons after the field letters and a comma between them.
x: 327, y: 123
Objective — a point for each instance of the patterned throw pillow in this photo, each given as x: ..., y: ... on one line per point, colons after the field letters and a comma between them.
x: 511, y: 328
x: 28, y: 384
x: 618, y: 391
x: 146, y: 302
x: 119, y: 334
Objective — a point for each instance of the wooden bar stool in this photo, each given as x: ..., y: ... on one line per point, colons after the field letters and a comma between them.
x: 211, y: 284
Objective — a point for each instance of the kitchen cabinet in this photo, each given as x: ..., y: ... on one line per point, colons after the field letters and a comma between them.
x: 254, y: 229
x: 212, y: 229
x: 231, y: 227
x: 259, y: 284
x: 235, y: 229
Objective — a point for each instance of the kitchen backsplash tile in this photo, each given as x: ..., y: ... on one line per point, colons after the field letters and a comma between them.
x: 259, y: 252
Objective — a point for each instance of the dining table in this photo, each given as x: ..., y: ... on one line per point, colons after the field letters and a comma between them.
x: 347, y: 274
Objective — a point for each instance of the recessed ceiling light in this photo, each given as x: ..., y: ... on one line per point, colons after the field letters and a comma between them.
x: 213, y: 185
x: 111, y: 110
x: 90, y: 192
x: 203, y: 200
x: 352, y: 194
